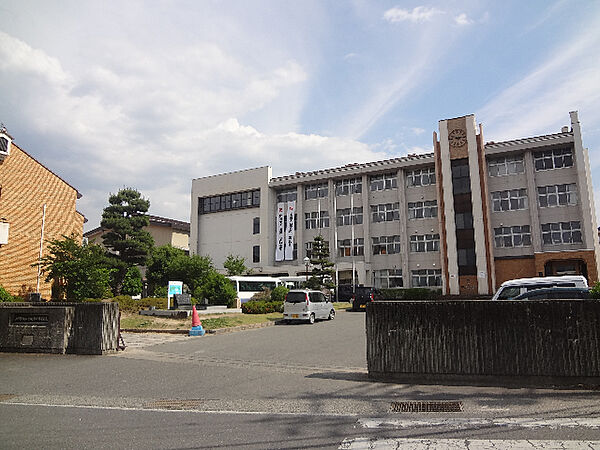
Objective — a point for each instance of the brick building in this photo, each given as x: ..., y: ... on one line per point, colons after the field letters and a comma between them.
x: 25, y: 187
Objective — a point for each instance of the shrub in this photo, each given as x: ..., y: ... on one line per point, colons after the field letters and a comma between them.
x: 217, y: 289
x: 595, y: 290
x: 127, y: 304
x: 408, y: 294
x: 5, y: 296
x: 261, y: 307
x: 278, y: 294
x: 262, y: 296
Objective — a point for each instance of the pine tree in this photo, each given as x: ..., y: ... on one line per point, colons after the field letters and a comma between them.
x: 125, y: 218
x: 323, y: 268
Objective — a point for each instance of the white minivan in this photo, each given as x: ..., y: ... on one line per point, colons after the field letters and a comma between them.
x: 306, y: 305
x: 512, y: 288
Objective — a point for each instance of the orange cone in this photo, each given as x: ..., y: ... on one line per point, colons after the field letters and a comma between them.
x: 195, y: 317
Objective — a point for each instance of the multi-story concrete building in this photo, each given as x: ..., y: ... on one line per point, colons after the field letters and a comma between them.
x: 465, y: 218
x: 32, y: 198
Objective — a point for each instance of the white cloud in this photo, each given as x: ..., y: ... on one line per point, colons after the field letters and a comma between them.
x: 418, y: 131
x: 418, y: 14
x: 462, y: 20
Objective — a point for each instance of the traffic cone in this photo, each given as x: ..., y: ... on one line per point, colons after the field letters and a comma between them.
x: 197, y: 329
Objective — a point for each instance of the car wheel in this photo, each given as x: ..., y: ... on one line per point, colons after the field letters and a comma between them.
x: 311, y: 319
x: 331, y: 315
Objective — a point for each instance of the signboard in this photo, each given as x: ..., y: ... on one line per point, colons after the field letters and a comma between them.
x: 289, y: 231
x: 175, y: 287
x: 279, y: 237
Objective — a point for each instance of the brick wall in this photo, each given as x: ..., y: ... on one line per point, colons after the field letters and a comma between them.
x: 26, y: 186
x: 509, y: 269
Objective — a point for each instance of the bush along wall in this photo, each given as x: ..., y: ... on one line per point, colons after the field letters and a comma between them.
x: 409, y: 294
x: 261, y: 307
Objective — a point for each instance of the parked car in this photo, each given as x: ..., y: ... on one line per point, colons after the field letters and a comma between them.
x: 362, y: 296
x: 555, y: 293
x: 306, y: 305
x: 513, y: 288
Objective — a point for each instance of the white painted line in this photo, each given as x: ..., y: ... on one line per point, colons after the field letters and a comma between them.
x: 194, y: 411
x: 467, y: 444
x: 513, y: 422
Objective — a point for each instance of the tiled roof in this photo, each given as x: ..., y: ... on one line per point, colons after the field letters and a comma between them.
x: 536, y: 140
x: 355, y: 167
x: 154, y: 220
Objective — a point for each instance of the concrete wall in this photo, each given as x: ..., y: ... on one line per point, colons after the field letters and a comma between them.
x: 26, y: 186
x: 557, y: 338
x: 80, y: 328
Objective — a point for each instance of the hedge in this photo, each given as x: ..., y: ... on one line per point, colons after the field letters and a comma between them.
x: 409, y: 294
x: 261, y: 307
x: 127, y: 304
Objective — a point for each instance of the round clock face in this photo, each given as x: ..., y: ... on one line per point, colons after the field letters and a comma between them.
x: 457, y: 138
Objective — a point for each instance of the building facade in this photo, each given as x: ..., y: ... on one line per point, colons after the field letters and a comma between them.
x: 464, y: 218
x: 163, y: 230
x: 31, y: 198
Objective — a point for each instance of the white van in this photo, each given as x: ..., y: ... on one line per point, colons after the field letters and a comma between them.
x: 512, y: 288
x: 307, y: 305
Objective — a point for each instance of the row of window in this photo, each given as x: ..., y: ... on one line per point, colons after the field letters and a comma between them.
x: 552, y: 233
x: 542, y: 160
x: 389, y: 245
x: 392, y: 278
x: 246, y: 199
x: 548, y: 197
x: 385, y: 212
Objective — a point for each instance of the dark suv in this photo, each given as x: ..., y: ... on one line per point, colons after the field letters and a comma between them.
x: 362, y: 296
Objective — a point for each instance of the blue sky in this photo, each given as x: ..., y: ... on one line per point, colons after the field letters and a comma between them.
x: 152, y: 94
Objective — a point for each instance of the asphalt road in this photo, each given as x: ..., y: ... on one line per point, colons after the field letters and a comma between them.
x: 286, y: 386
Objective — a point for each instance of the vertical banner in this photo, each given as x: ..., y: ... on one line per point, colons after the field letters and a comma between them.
x: 289, y: 231
x: 280, y: 237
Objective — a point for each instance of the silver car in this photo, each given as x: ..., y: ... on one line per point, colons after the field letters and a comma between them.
x: 307, y: 306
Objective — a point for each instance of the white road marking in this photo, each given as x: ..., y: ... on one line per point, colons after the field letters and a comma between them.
x: 513, y: 422
x: 467, y: 444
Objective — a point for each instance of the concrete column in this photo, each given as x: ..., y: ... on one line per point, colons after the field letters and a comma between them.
x: 452, y: 255
x: 300, y: 226
x: 481, y: 251
x: 534, y: 213
x: 404, y: 244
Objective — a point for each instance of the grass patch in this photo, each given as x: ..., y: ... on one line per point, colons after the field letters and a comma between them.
x: 209, y: 322
x: 342, y: 305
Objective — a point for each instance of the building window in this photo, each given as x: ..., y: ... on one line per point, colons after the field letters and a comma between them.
x: 315, y: 191
x: 561, y: 233
x: 309, y: 245
x: 316, y: 220
x: 553, y: 159
x: 256, y: 254
x: 386, y: 212
x: 348, y: 186
x: 387, y: 278
x: 557, y: 195
x: 506, y: 166
x: 256, y: 225
x: 422, y: 210
x: 384, y: 181
x: 426, y: 277
x: 287, y: 196
x: 420, y: 177
x: 511, y: 200
x: 386, y: 245
x: 226, y: 202
x: 425, y: 243
x: 464, y: 220
x: 347, y: 216
x: 346, y: 249
x: 515, y: 236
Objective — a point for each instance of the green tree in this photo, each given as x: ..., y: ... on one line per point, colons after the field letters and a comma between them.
x: 158, y: 269
x: 217, y: 289
x: 5, y: 295
x: 78, y: 271
x: 125, y: 219
x: 235, y: 265
x: 132, y: 283
x: 323, y: 268
x: 278, y: 294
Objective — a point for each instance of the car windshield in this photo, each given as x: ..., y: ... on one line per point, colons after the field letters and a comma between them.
x: 509, y: 292
x: 295, y: 297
